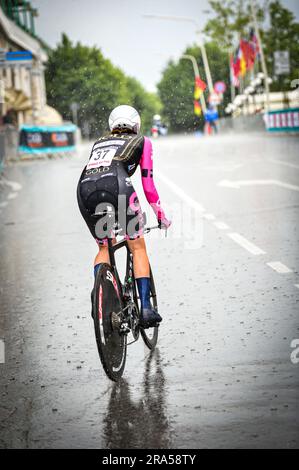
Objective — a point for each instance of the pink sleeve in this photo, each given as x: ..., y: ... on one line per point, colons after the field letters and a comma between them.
x: 149, y: 188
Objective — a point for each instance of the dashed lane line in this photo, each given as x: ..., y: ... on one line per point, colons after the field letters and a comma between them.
x: 244, y: 243
x: 296, y: 285
x: 209, y: 216
x: 280, y: 162
x: 236, y: 237
x: 239, y: 239
x: 279, y: 267
x: 240, y: 183
x: 176, y: 189
x: 12, y: 196
x: 221, y: 225
x: 14, y: 185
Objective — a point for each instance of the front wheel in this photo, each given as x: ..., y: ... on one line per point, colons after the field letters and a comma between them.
x: 150, y: 335
x: 107, y: 315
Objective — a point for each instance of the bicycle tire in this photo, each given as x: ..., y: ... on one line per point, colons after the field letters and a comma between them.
x: 112, y: 346
x: 150, y: 335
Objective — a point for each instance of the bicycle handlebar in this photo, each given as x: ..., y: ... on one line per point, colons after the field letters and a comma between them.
x: 148, y: 229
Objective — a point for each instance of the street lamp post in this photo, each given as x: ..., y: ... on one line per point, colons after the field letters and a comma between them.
x: 34, y: 77
x: 263, y: 62
x: 201, y: 45
x: 196, y: 74
x: 74, y: 109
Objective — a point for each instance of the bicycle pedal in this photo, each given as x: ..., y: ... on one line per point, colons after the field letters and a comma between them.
x: 124, y: 329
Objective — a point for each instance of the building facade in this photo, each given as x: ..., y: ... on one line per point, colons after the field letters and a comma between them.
x: 22, y: 83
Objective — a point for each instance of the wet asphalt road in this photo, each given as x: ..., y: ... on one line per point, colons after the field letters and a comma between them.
x: 222, y: 375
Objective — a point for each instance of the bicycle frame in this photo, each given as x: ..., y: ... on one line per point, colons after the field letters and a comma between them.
x: 112, y: 248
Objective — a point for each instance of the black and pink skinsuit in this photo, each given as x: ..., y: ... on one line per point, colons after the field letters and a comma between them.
x: 106, y: 179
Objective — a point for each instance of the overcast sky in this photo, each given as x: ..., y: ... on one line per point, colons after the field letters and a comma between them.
x: 139, y: 46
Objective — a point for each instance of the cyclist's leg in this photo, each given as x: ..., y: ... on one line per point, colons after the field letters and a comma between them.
x: 90, y: 197
x: 140, y: 258
x: 103, y: 254
x: 149, y: 316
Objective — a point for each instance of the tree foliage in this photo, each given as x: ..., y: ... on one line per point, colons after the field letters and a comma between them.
x: 81, y: 74
x: 232, y: 19
x: 176, y: 87
x: 283, y: 35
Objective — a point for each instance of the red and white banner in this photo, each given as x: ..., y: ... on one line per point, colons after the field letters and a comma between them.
x: 285, y: 120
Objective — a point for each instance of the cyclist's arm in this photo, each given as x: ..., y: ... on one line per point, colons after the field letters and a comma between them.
x: 149, y: 188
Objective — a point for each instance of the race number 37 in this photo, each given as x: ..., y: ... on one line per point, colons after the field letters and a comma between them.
x: 101, y: 157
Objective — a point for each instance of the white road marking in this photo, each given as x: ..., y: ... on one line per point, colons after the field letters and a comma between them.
x: 238, y: 184
x: 244, y: 243
x: 176, y: 189
x: 280, y: 162
x: 221, y: 225
x: 12, y: 195
x: 296, y: 285
x: 279, y: 267
x: 228, y: 167
x: 209, y: 216
x: 15, y: 186
x: 2, y: 351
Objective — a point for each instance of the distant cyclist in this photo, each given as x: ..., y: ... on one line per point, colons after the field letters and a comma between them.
x: 105, y: 183
x: 211, y: 116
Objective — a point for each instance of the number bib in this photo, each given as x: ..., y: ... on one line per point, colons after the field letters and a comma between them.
x: 103, y: 153
x: 101, y: 157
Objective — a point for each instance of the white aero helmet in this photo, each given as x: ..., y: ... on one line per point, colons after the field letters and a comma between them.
x: 124, y: 117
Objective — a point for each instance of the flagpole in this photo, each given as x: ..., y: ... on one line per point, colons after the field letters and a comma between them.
x: 263, y: 62
x: 205, y: 63
x: 196, y: 74
x: 232, y: 86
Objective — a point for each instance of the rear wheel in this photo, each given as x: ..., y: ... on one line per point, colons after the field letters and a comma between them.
x: 150, y: 335
x: 107, y: 315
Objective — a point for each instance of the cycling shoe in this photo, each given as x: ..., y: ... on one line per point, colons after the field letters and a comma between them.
x: 149, y: 318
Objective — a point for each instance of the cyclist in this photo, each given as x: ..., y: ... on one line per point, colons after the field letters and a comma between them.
x: 105, y: 183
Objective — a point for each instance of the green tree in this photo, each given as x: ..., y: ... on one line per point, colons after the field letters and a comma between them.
x: 81, y: 74
x: 230, y: 21
x: 283, y: 35
x: 176, y: 87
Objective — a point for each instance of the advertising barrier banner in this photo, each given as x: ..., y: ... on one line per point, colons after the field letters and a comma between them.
x: 47, y: 139
x: 285, y: 120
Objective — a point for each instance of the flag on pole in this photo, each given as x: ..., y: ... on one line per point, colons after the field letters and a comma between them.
x: 248, y: 53
x: 233, y: 75
x: 197, y: 108
x: 254, y: 43
x: 242, y: 62
x: 199, y: 87
x: 197, y: 93
x: 244, y: 57
x: 200, y: 83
